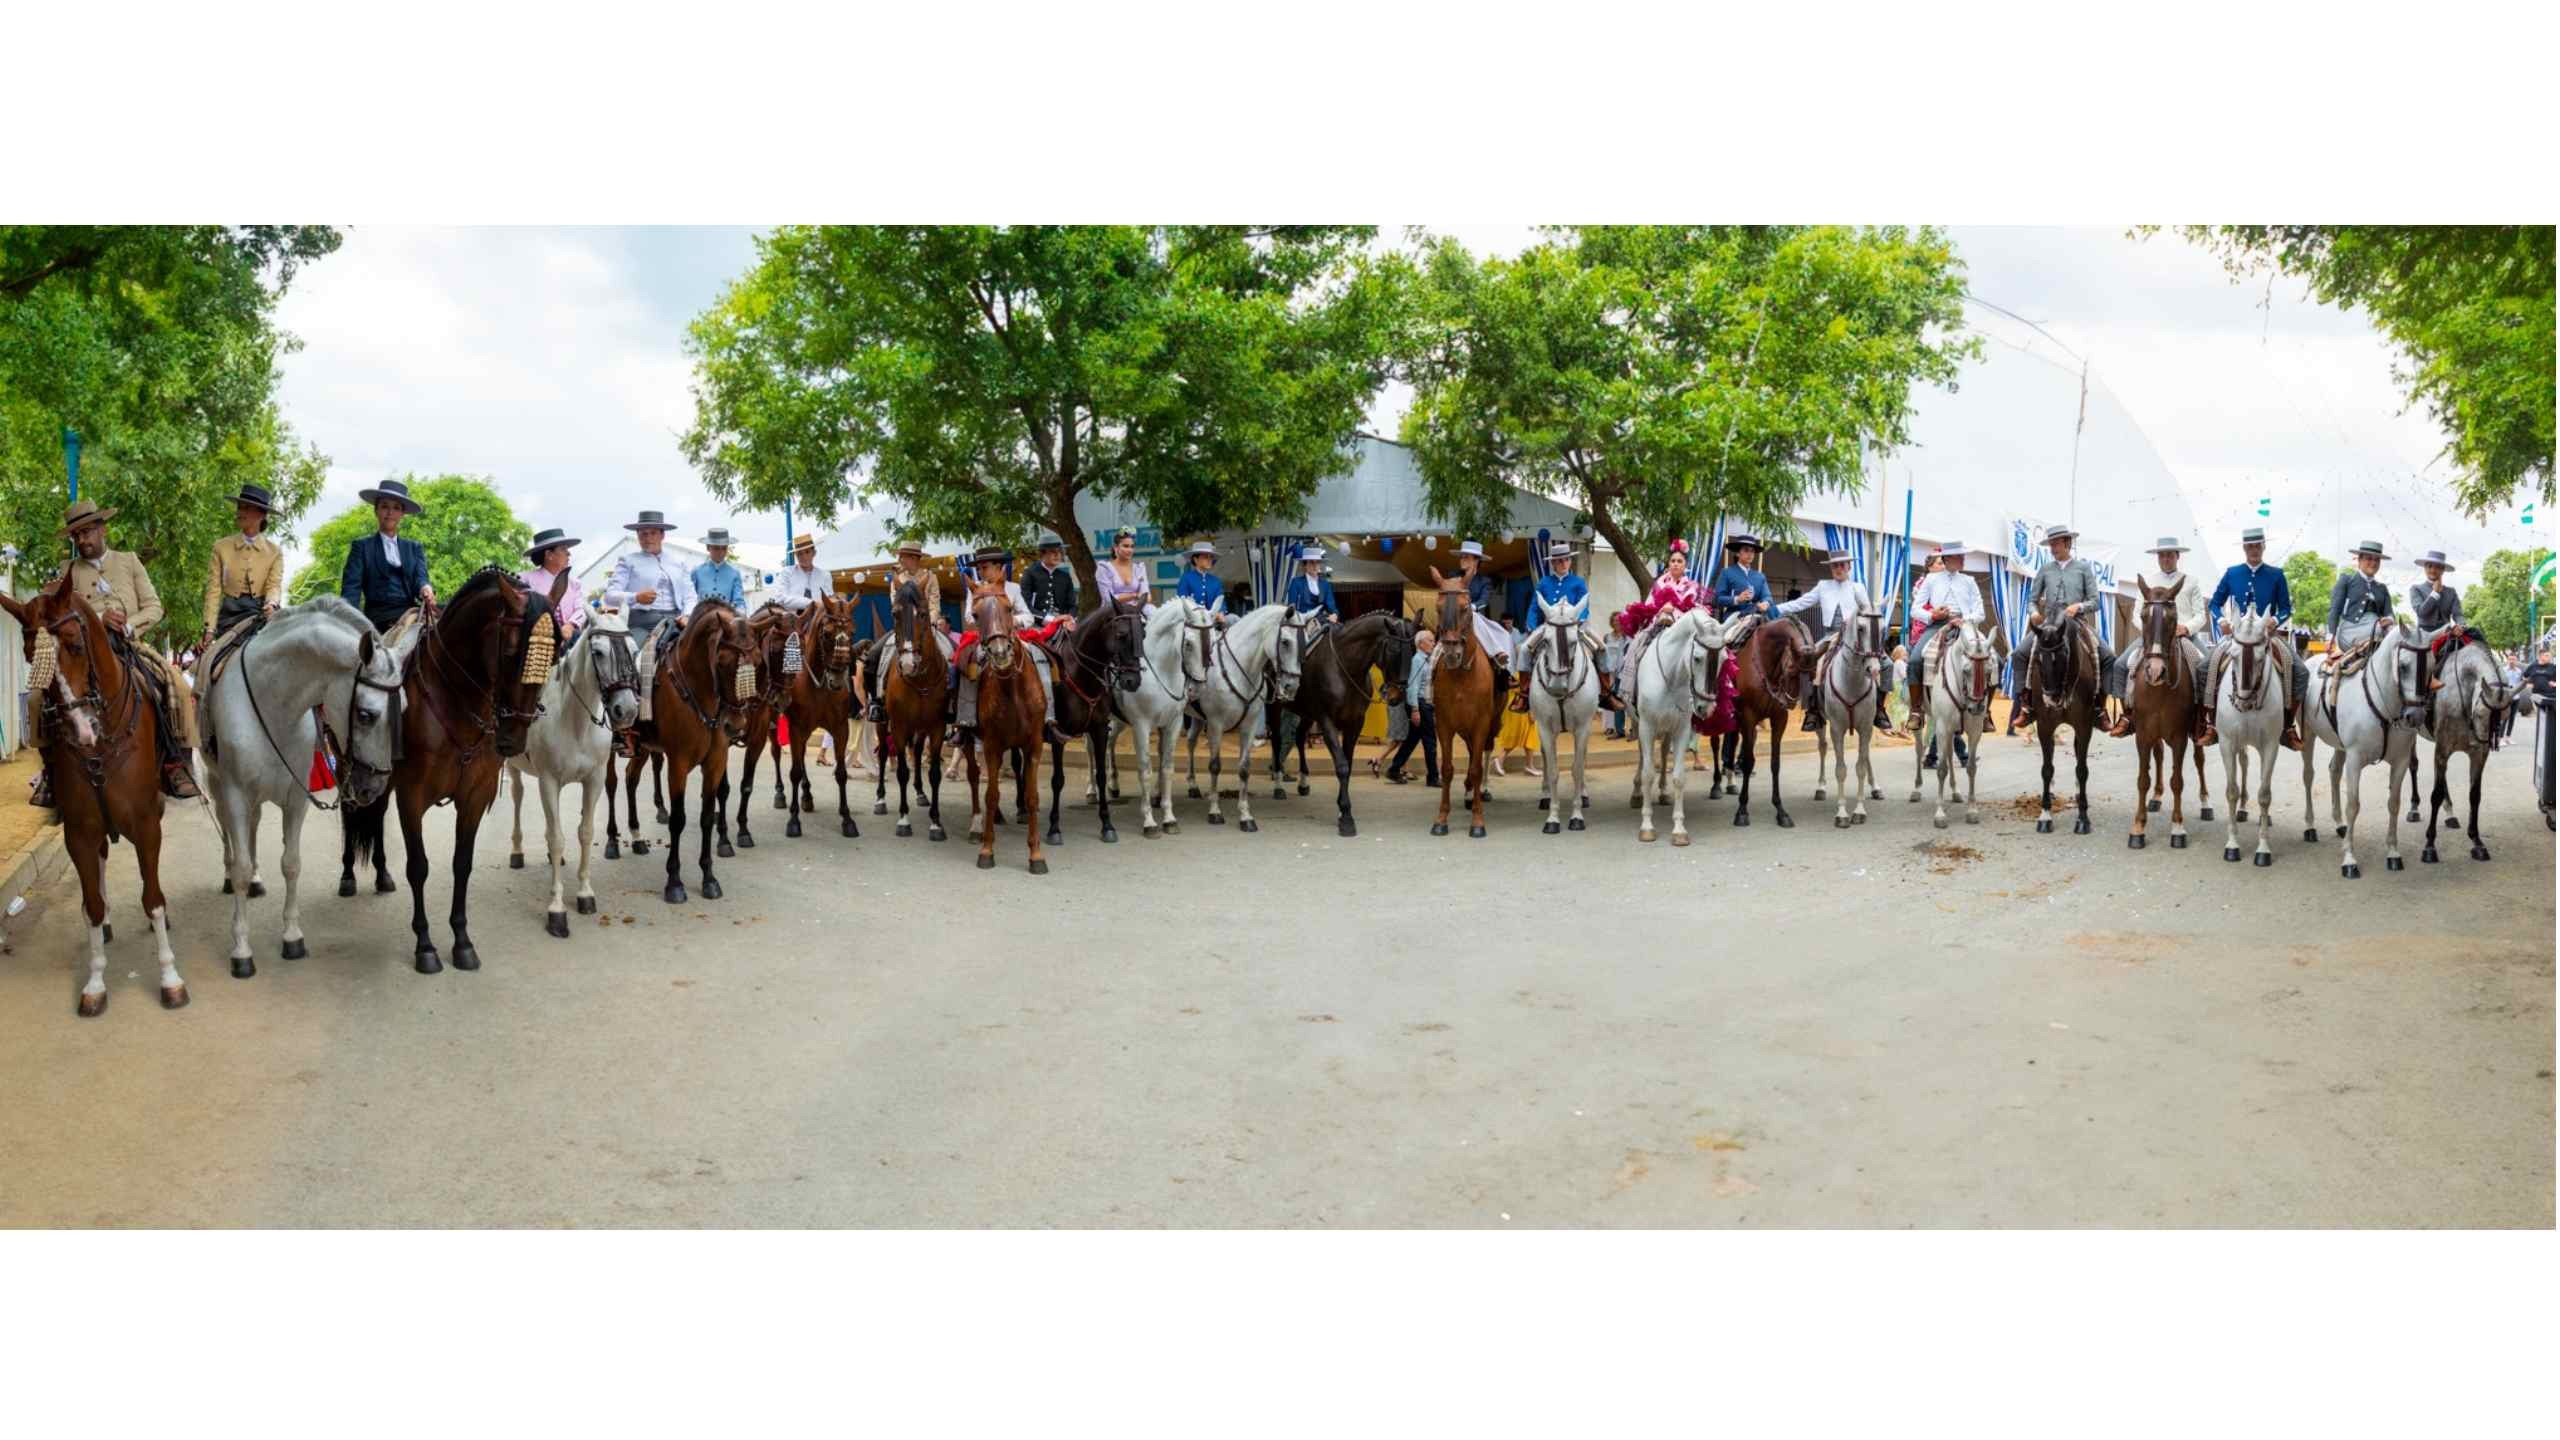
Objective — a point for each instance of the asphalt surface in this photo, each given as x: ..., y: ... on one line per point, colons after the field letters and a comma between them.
x: 1801, y: 1027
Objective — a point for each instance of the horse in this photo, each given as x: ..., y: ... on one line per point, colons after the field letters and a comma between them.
x: 312, y: 674
x: 1334, y: 692
x: 101, y: 752
x: 714, y: 656
x: 1013, y: 711
x: 770, y: 629
x: 1563, y: 697
x: 1241, y: 664
x: 1958, y: 689
x: 2471, y: 703
x: 817, y: 700
x: 1851, y: 683
x: 2066, y: 681
x: 470, y: 690
x: 1092, y: 662
x: 2160, y: 690
x: 2361, y: 721
x: 1676, y: 679
x: 2248, y: 710
x: 915, y: 684
x: 1464, y: 700
x: 1769, y: 680
x: 593, y: 692
x: 1170, y: 669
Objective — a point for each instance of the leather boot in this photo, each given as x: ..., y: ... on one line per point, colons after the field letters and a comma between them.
x: 41, y: 796
x: 177, y: 777
x: 2122, y: 726
x: 2292, y: 729
x: 1609, y: 700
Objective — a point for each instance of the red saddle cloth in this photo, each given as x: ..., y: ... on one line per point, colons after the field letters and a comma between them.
x: 1721, y: 719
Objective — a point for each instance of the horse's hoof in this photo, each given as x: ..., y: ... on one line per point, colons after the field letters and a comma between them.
x: 516, y: 861
x: 2262, y: 860
x: 347, y: 882
x: 1938, y: 822
x: 1173, y: 827
x: 2479, y: 852
x: 2342, y: 832
x: 986, y: 862
x: 2155, y: 807
x: 848, y: 829
x: 586, y: 904
x: 1039, y: 867
x: 710, y: 888
x: 2206, y: 814
x: 1551, y: 828
x: 2177, y: 842
x: 1635, y: 802
x: 2310, y: 835
x: 2352, y: 872
x: 2428, y: 856
x: 1860, y: 818
x: 1875, y: 794
x: 1110, y: 837
x: 780, y: 802
x: 1839, y: 822
x: 226, y: 887
x: 1151, y: 832
x: 1440, y: 829
x: 906, y: 831
x: 465, y: 957
x: 2451, y: 823
x: 1786, y: 821
x: 1545, y: 803
x: 2044, y: 827
x: 2135, y: 842
x: 1345, y: 828
x: 2080, y: 827
x: 745, y: 842
x: 1475, y: 832
x: 173, y: 997
x: 243, y: 968
x: 1302, y: 787
x: 639, y: 847
x: 556, y: 924
x: 790, y: 831
x: 2242, y: 815
x: 1645, y: 835
x: 674, y: 894
x: 2412, y: 820
x: 1253, y: 826
x: 1739, y: 818
x: 2394, y: 862
x: 879, y: 807
x: 429, y: 963
x: 93, y: 1006
x: 662, y: 814
x: 1576, y: 823
x: 613, y: 849
x: 937, y: 834
x: 1279, y: 793
x: 1680, y: 839
x: 2231, y: 853
x: 724, y: 851
x: 1973, y: 817
x: 1195, y: 792
x: 383, y: 884
x: 1217, y: 819
x: 1821, y: 794
x: 297, y: 950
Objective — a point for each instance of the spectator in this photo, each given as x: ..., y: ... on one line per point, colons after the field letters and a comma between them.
x: 1419, y: 717
x: 1613, y: 657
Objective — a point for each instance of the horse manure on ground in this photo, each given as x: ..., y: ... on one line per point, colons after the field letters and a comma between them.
x: 1946, y: 855
x: 2031, y: 806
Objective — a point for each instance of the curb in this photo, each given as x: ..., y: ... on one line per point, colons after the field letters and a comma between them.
x: 38, y: 861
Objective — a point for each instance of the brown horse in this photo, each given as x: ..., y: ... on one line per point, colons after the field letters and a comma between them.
x: 1465, y: 700
x: 915, y: 685
x: 819, y: 698
x: 1103, y: 653
x: 699, y: 710
x: 1768, y: 679
x: 472, y: 685
x: 2160, y: 692
x: 1013, y: 710
x: 1334, y: 692
x: 101, y: 751
x: 771, y: 629
x: 2064, y: 683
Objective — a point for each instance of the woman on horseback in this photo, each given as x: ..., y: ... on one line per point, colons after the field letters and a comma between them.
x: 1200, y: 583
x: 1490, y: 634
x: 1121, y: 576
x: 547, y: 556
x: 1673, y: 593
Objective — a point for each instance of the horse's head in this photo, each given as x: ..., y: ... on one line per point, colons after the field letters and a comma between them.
x: 2054, y: 658
x: 504, y: 638
x: 1199, y: 626
x: 1119, y: 632
x: 1395, y: 657
x: 373, y: 723
x: 826, y: 646
x: 607, y: 644
x: 1289, y: 654
x: 735, y: 656
x: 66, y: 649
x: 991, y: 611
x: 1455, y: 610
x: 1783, y: 655
x: 1972, y: 658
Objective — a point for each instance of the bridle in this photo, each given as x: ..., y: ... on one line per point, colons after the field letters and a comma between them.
x: 1973, y: 698
x: 2057, y: 661
x: 330, y: 744
x: 740, y: 693
x: 834, y: 639
x: 1703, y: 675
x: 113, y: 739
x: 532, y: 664
x: 1288, y: 656
x: 1864, y: 645
x: 2249, y: 688
x: 625, y: 670
x: 997, y: 644
x: 1564, y: 675
x: 2160, y: 666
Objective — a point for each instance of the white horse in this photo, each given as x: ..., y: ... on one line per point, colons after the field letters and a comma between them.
x: 320, y: 658
x: 2248, y: 711
x: 1564, y: 693
x: 2472, y: 702
x: 1851, y: 684
x: 1152, y: 712
x: 2365, y: 727
x: 1675, y: 679
x: 1957, y: 687
x: 593, y: 692
x: 1246, y: 665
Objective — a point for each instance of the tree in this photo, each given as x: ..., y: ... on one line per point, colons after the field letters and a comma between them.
x: 1660, y: 374
x: 2471, y: 308
x: 2498, y: 603
x: 984, y: 377
x: 2309, y: 576
x: 157, y: 344
x: 466, y: 524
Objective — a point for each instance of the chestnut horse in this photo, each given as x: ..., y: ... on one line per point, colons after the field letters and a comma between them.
x: 1013, y: 713
x: 914, y: 688
x: 102, y: 754
x: 1768, y: 680
x: 1465, y: 700
x: 472, y: 687
x: 698, y: 710
x: 2161, y: 692
x: 819, y: 698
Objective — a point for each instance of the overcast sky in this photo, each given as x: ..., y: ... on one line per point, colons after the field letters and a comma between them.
x: 552, y: 361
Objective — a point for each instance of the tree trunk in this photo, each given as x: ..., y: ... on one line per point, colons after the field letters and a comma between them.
x: 1624, y: 548
x: 1062, y: 519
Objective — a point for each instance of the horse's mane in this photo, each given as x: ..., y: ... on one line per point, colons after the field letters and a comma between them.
x: 708, y: 604
x: 487, y: 577
x: 331, y: 607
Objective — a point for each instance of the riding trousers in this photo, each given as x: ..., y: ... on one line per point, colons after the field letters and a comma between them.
x: 1915, y: 669
x: 644, y: 626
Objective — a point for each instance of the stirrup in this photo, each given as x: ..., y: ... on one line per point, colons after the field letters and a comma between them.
x: 176, y: 782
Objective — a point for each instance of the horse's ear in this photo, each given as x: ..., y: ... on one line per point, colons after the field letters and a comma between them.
x: 364, y: 650
x: 17, y: 611
x: 1436, y: 577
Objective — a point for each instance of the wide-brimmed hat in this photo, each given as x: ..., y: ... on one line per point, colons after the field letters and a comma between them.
x: 990, y: 555
x: 910, y: 547
x: 2369, y: 547
x: 2434, y: 557
x: 2167, y: 545
x: 392, y: 490
x: 803, y: 542
x: 1051, y: 542
x: 2059, y: 532
x: 1745, y: 541
x: 84, y: 513
x: 1560, y: 550
x: 1841, y: 557
x: 2254, y: 535
x: 545, y: 539
x: 1202, y: 547
x: 1311, y: 555
x: 1471, y: 547
x: 650, y: 520
x: 717, y: 535
x: 1953, y: 548
x: 254, y: 495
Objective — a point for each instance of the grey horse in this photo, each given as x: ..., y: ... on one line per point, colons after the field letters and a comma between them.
x: 2471, y: 706
x: 2364, y: 726
x: 593, y: 692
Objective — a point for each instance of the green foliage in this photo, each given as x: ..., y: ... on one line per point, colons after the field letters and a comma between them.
x: 2309, y: 576
x: 2471, y: 308
x: 1660, y: 374
x: 2497, y: 602
x: 982, y: 377
x: 157, y: 344
x: 467, y: 524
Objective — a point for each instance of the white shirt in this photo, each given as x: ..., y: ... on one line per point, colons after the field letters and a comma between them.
x: 2191, y: 598
x: 796, y: 589
x: 391, y: 551
x: 1840, y: 601
x: 1021, y: 611
x: 639, y: 570
x: 1940, y: 590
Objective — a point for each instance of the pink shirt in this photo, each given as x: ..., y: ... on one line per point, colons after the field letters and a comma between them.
x: 1676, y: 595
x: 573, y: 601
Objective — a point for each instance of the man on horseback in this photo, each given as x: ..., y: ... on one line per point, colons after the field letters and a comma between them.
x: 385, y: 575
x: 1835, y: 602
x: 1200, y: 584
x: 2253, y: 583
x: 2437, y: 607
x: 716, y: 578
x: 1309, y: 592
x: 1050, y: 587
x: 1739, y: 588
x: 1561, y: 584
x: 2191, y: 619
x: 1490, y: 635
x: 990, y: 562
x: 2065, y: 586
x: 657, y: 593
x: 1945, y: 598
x: 911, y: 571
x: 115, y: 585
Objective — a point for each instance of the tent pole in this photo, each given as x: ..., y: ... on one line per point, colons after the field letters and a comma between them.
x: 2077, y: 426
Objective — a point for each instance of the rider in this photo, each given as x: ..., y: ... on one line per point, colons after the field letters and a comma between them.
x: 1673, y: 593
x: 245, y: 578
x: 115, y: 585
x: 1561, y: 585
x: 1309, y: 592
x: 2066, y: 586
x: 1740, y: 588
x: 2359, y: 604
x: 385, y: 576
x: 1200, y: 583
x: 1835, y: 602
x: 1050, y: 586
x: 716, y: 578
x: 1120, y: 575
x: 657, y: 594
x: 990, y: 562
x: 548, y: 555
x: 2437, y: 607
x: 911, y: 571
x: 1945, y: 598
x: 2255, y: 583
x: 2191, y: 619
x: 1490, y: 636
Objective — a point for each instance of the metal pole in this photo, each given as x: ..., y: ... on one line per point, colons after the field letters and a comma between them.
x: 71, y: 458
x: 2077, y: 426
x: 1905, y: 598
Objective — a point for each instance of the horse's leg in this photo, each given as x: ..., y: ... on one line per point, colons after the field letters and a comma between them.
x: 2204, y: 795
x: 984, y: 834
x: 1971, y: 730
x: 747, y: 784
x: 1581, y: 784
x: 880, y: 771
x: 295, y: 947
x: 657, y: 784
x: 2437, y: 795
x: 1644, y: 776
x: 586, y: 842
x: 674, y: 893
x: 2337, y: 771
x: 2347, y: 865
x: 515, y: 839
x: 2145, y: 769
x: 1680, y: 782
x: 347, y: 826
x: 413, y: 844
x: 1057, y: 788
x: 2080, y: 775
x: 92, y: 863
x: 1247, y: 726
x: 2479, y: 758
x: 1191, y: 757
x: 1777, y: 798
x: 555, y: 921
x: 1030, y: 802
x: 1746, y: 760
x: 712, y: 812
x: 1549, y: 787
x: 715, y: 808
x: 146, y: 855
x: 466, y: 831
x: 1479, y: 766
x: 631, y: 804
x: 2234, y: 789
x: 2266, y: 803
x: 612, y: 832
x: 239, y: 836
x: 799, y: 783
x: 932, y: 778
x: 2177, y: 757
x: 1445, y: 735
x: 1338, y: 747
x: 1217, y: 760
x: 2044, y: 741
x: 842, y: 733
x: 2310, y: 795
x: 2392, y: 770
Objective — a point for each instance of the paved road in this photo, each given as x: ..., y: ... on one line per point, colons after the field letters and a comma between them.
x: 1772, y: 1027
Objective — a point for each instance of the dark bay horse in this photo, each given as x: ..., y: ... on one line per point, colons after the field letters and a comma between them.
x: 1768, y: 681
x: 1013, y: 711
x: 473, y: 685
x: 1465, y: 700
x: 698, y: 712
x: 818, y: 699
x: 2161, y: 693
x: 1334, y: 693
x: 2065, y: 683
x: 915, y: 685
x: 771, y: 629
x: 1105, y: 652
x: 101, y: 752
